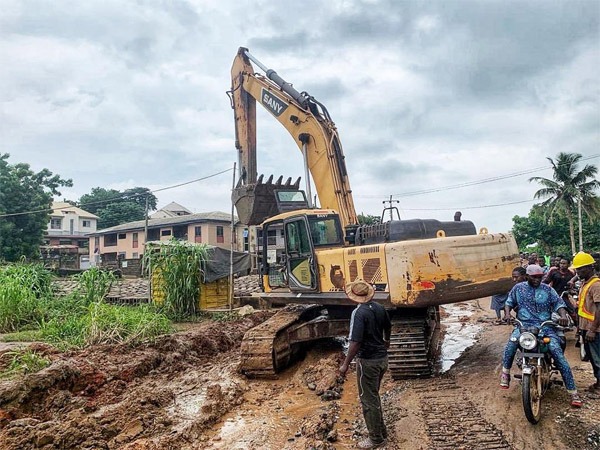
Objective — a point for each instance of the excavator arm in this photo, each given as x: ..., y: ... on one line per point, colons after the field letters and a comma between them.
x: 311, y: 127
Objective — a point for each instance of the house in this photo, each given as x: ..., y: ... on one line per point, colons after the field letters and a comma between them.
x: 66, y: 241
x: 126, y: 241
x: 171, y: 210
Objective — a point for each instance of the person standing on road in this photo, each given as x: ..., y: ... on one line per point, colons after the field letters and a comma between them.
x: 536, y: 302
x: 589, y: 311
x: 369, y: 339
x: 499, y: 300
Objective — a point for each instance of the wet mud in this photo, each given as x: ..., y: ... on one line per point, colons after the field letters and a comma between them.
x: 185, y: 392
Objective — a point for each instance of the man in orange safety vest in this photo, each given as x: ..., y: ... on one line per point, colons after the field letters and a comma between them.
x: 589, y: 311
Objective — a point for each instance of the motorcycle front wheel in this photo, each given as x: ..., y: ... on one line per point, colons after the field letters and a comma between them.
x: 531, y: 392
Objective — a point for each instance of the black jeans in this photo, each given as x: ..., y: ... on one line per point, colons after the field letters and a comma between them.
x: 369, y: 373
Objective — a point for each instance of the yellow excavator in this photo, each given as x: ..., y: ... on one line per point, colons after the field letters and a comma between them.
x: 309, y: 253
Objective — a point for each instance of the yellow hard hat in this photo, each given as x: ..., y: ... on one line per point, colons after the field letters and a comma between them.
x: 582, y: 259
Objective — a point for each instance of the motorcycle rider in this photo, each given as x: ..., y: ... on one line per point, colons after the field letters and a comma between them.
x: 589, y: 311
x: 536, y: 302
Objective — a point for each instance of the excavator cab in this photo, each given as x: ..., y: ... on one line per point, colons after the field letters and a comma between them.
x: 289, y: 243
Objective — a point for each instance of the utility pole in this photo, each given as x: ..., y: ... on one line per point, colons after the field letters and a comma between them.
x: 579, y: 222
x: 390, y: 208
x: 232, y: 238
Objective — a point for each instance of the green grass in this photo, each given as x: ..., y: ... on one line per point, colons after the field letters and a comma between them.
x: 107, y: 324
x: 29, y: 311
x: 22, y: 362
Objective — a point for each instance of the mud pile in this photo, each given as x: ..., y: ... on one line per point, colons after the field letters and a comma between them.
x: 107, y: 397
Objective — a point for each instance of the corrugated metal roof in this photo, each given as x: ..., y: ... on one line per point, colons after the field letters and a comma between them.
x: 214, y: 216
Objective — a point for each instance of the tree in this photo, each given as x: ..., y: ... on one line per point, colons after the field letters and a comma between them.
x: 567, y: 187
x: 368, y: 219
x: 25, y: 205
x: 552, y: 237
x: 115, y: 207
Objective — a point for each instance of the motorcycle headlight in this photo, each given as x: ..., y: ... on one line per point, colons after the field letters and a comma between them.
x: 527, y: 341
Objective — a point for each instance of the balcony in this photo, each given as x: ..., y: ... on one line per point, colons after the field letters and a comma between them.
x: 68, y: 233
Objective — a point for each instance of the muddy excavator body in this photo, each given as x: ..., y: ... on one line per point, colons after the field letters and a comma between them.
x: 414, y: 265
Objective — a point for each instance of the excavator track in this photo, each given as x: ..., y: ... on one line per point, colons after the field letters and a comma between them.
x: 413, y: 344
x: 266, y: 348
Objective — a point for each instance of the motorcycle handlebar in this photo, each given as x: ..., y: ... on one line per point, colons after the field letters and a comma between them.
x: 547, y: 322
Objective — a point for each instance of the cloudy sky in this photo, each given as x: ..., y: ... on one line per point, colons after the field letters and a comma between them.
x: 426, y: 95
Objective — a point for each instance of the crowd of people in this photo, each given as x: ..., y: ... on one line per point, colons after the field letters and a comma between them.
x: 537, y: 294
x: 534, y: 297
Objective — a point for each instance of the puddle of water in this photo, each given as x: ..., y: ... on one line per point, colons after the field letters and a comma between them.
x: 458, y: 336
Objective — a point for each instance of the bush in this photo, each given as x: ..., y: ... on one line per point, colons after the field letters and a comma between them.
x: 107, y: 324
x: 94, y: 284
x: 19, y: 306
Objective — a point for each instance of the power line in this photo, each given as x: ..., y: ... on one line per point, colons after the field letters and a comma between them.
x: 467, y: 207
x: 120, y: 197
x: 476, y: 182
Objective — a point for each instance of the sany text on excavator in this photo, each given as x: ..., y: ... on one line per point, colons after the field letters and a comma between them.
x: 308, y: 254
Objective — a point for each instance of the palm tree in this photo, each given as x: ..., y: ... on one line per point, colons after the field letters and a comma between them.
x: 567, y: 187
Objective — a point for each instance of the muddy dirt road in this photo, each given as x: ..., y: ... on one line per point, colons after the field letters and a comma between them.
x: 184, y: 392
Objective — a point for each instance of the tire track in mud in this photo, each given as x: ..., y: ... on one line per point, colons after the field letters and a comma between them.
x: 452, y: 421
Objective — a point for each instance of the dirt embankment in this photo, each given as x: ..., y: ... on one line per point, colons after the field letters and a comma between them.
x: 184, y: 392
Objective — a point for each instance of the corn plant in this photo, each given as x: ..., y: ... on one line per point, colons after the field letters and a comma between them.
x: 94, y: 284
x: 178, y: 267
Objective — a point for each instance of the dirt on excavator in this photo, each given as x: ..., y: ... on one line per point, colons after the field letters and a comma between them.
x: 184, y: 392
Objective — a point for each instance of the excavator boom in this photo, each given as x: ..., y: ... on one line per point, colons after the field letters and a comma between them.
x: 311, y: 127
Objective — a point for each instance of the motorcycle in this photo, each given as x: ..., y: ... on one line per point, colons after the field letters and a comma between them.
x: 537, y: 367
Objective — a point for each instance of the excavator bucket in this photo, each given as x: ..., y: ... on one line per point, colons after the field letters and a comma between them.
x: 258, y: 201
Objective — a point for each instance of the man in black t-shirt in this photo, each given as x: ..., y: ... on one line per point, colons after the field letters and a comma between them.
x: 559, y: 278
x: 370, y: 330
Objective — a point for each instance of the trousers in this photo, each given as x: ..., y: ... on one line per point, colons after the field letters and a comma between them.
x: 593, y: 349
x: 369, y: 373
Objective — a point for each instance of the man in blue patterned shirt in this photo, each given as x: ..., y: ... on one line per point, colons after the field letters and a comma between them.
x: 535, y: 302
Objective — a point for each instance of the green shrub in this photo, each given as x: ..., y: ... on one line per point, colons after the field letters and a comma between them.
x: 107, y: 324
x: 23, y: 362
x: 23, y: 288
x: 94, y: 284
x: 19, y: 306
x: 34, y: 277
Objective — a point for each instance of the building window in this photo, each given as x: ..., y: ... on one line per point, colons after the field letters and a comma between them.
x: 165, y: 232
x: 122, y: 235
x: 197, y: 234
x: 86, y: 223
x: 272, y: 237
x: 220, y: 237
x: 134, y: 238
x: 153, y: 235
x: 55, y: 224
x: 110, y: 240
x: 65, y: 242
x: 83, y: 244
x: 135, y: 255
